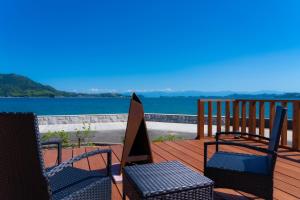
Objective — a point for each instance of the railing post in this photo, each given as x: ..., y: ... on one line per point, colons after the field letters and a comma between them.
x: 244, y: 117
x: 284, y: 127
x: 219, y: 116
x: 262, y: 118
x: 209, y: 118
x: 272, y: 114
x: 236, y: 116
x: 252, y: 117
x: 200, y: 128
x: 227, y: 116
x: 296, y: 126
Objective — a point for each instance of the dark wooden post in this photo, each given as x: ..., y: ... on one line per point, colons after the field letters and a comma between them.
x: 262, y: 118
x: 296, y: 126
x: 227, y: 117
x: 209, y: 119
x: 236, y: 116
x: 272, y: 115
x: 219, y: 116
x: 284, y: 127
x: 244, y: 117
x: 200, y: 132
x: 252, y: 117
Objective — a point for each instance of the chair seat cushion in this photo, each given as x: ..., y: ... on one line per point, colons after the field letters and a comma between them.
x: 71, y: 180
x: 240, y: 162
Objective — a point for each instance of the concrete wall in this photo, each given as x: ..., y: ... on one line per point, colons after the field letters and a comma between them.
x: 79, y: 119
x: 105, y: 118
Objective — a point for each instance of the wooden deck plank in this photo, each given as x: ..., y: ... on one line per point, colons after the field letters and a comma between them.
x: 66, y: 154
x: 82, y: 164
x: 95, y: 162
x: 190, y: 152
x: 50, y: 157
x: 179, y: 154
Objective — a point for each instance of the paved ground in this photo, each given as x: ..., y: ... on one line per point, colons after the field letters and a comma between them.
x: 113, y: 132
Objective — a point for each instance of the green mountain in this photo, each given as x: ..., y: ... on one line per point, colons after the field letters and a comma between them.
x: 13, y: 85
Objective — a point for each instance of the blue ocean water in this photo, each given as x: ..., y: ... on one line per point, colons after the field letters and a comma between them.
x: 69, y: 106
x: 72, y: 106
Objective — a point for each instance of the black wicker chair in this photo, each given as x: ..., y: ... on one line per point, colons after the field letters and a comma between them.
x: 249, y: 173
x: 23, y: 174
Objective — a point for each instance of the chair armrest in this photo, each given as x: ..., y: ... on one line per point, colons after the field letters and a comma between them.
x: 217, y: 143
x: 59, y: 148
x: 205, y: 151
x: 69, y: 163
x: 240, y: 133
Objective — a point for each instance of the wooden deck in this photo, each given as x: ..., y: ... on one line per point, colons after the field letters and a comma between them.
x: 190, y: 152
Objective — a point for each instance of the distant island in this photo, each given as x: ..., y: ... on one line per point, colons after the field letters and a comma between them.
x: 13, y: 85
x: 219, y: 95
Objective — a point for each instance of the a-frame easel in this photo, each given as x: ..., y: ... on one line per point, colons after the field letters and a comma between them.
x: 137, y: 147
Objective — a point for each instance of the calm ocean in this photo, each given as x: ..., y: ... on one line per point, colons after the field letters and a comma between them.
x: 72, y: 106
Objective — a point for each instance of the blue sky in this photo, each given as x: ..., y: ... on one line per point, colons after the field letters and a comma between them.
x: 208, y: 45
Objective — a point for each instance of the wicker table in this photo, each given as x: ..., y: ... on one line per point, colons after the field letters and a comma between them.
x: 166, y: 180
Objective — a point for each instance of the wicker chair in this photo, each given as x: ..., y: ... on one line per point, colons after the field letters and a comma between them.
x: 248, y: 173
x: 24, y: 176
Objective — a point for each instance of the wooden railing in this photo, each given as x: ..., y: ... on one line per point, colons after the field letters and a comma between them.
x: 248, y: 115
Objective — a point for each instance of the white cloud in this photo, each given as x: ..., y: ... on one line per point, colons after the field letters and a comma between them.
x: 151, y: 90
x: 100, y: 90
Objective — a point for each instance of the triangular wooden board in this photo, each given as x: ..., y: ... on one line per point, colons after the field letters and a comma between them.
x: 137, y: 147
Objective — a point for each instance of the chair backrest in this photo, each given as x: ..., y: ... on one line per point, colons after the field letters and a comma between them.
x: 277, y: 128
x: 21, y: 168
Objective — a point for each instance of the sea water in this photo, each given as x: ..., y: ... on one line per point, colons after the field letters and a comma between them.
x: 74, y: 106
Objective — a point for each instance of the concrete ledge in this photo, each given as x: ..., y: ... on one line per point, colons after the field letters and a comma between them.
x: 79, y: 119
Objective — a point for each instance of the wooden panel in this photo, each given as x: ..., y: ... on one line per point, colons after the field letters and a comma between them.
x: 262, y: 118
x: 201, y: 120
x: 236, y: 116
x: 272, y: 115
x: 209, y: 118
x: 296, y: 126
x: 244, y: 116
x: 227, y: 117
x: 219, y: 116
x: 284, y: 128
x: 252, y: 117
